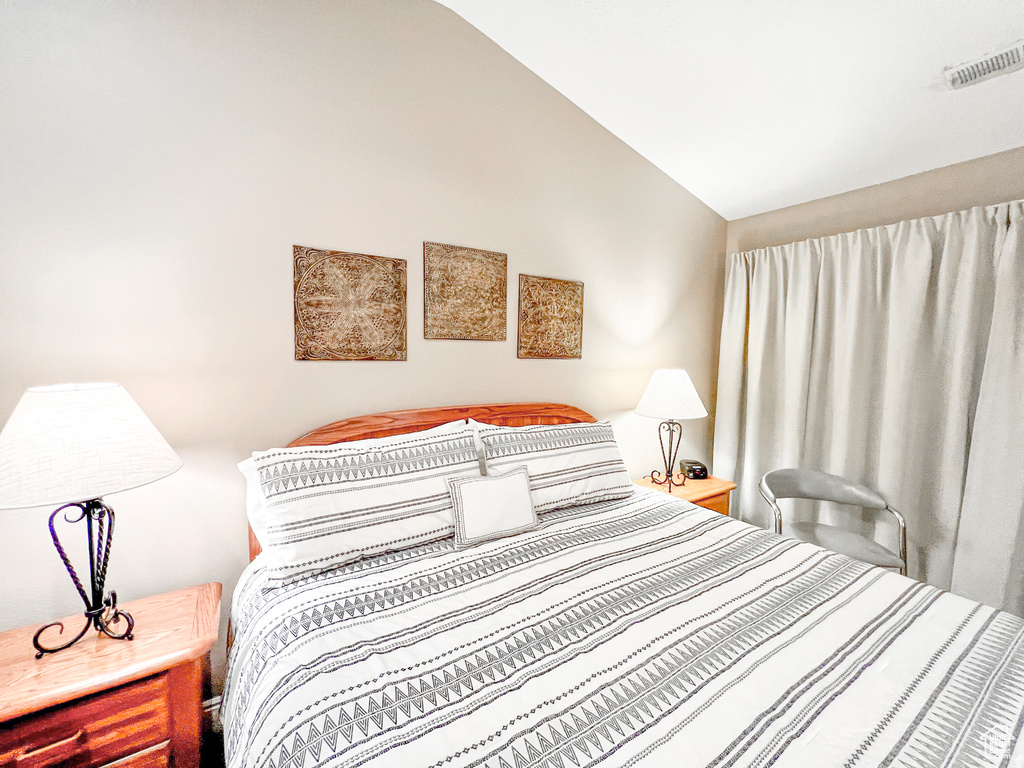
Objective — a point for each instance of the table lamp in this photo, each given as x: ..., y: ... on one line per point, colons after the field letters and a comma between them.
x: 69, y: 445
x: 671, y: 397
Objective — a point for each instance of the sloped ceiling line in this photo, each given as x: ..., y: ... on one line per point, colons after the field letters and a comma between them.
x: 755, y: 106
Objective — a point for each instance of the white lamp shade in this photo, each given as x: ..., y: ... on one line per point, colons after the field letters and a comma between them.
x: 671, y: 396
x: 76, y: 442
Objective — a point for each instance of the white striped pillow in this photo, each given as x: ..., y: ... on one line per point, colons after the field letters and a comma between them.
x: 331, y: 505
x: 255, y: 504
x: 569, y: 464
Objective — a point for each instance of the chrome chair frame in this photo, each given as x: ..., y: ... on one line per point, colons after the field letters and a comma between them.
x: 815, y: 485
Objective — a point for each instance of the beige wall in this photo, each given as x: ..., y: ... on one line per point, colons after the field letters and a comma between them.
x: 160, y: 160
x: 994, y: 179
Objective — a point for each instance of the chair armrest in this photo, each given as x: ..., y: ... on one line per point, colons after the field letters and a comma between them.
x: 768, y: 496
x: 903, y: 535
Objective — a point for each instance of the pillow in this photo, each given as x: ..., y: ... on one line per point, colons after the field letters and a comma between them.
x: 331, y: 505
x: 255, y: 509
x: 255, y: 504
x: 491, y: 507
x: 569, y: 464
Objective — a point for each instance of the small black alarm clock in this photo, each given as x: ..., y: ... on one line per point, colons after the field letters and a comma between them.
x: 693, y: 469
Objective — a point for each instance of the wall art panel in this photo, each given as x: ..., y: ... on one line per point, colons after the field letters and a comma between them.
x: 349, y: 306
x: 464, y: 293
x: 550, y: 317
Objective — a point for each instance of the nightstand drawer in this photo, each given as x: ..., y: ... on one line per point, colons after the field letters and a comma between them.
x: 711, y: 493
x: 91, y: 731
x: 719, y: 503
x: 158, y: 756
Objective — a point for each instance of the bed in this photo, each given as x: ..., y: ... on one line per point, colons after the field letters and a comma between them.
x: 622, y: 627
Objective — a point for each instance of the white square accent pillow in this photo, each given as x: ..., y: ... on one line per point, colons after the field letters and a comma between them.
x: 330, y: 505
x: 491, y: 507
x: 569, y: 464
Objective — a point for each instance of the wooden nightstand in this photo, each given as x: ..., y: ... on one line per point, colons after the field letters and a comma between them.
x: 122, y: 703
x: 712, y: 493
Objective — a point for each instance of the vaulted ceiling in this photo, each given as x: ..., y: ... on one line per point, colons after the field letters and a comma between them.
x: 755, y: 105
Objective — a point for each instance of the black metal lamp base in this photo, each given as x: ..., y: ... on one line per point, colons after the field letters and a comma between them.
x: 669, y: 435
x: 100, y: 612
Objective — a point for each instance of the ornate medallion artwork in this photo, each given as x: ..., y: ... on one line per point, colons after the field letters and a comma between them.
x: 464, y: 293
x: 348, y: 306
x: 550, y: 317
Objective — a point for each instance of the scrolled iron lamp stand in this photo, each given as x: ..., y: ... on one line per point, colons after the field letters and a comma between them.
x: 669, y: 435
x: 100, y: 611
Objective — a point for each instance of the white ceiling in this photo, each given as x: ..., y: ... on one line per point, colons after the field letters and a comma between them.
x: 754, y: 105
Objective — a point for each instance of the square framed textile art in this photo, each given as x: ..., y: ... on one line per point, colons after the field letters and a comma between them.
x: 550, y: 318
x: 464, y: 293
x: 348, y: 306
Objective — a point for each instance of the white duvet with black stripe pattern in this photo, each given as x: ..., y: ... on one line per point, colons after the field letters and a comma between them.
x: 644, y: 631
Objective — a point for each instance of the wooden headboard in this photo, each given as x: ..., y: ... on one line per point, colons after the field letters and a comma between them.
x: 402, y: 422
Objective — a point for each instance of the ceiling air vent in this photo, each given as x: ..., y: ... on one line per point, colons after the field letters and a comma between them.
x: 992, y: 65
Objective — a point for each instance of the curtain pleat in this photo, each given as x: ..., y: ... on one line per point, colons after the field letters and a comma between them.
x: 863, y: 354
x: 989, y: 559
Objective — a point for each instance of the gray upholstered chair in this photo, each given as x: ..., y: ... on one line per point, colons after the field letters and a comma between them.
x: 821, y: 486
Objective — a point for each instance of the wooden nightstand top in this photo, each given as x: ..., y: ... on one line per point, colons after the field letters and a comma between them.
x: 169, y: 629
x: 694, y: 490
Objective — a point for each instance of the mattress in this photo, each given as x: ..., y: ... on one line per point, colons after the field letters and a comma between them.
x: 644, y: 631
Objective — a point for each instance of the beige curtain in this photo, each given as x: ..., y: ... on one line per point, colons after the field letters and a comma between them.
x: 988, y: 562
x: 892, y: 356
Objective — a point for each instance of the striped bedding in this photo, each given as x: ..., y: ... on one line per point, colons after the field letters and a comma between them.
x: 643, y: 631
